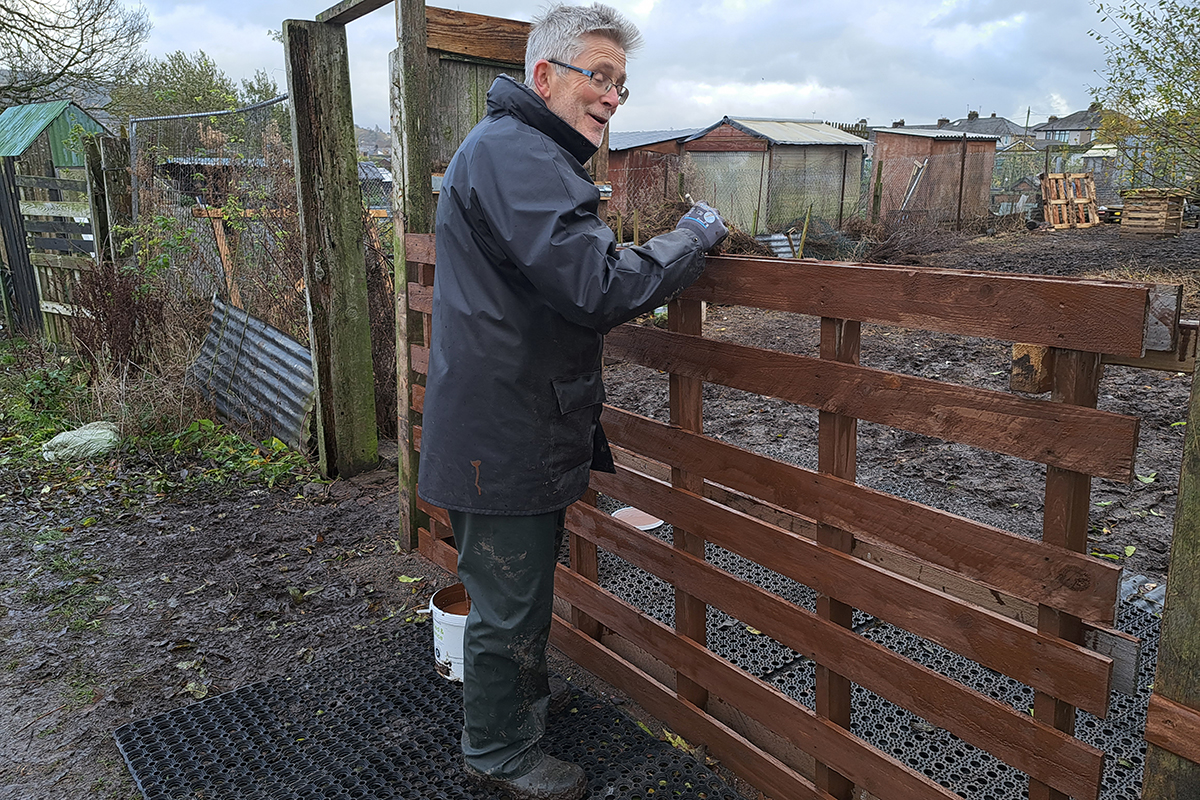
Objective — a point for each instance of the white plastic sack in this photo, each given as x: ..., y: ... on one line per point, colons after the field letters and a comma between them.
x: 89, y: 441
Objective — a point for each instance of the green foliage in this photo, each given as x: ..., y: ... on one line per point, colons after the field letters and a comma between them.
x: 53, y: 386
x: 1152, y: 88
x: 231, y: 455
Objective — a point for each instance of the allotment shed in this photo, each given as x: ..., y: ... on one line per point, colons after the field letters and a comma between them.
x: 765, y: 174
x: 932, y: 176
x: 644, y: 168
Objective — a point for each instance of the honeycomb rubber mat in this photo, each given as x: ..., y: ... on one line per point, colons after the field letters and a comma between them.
x: 375, y: 720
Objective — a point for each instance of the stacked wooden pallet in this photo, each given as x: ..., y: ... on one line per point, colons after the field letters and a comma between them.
x: 1152, y: 212
x: 1069, y: 200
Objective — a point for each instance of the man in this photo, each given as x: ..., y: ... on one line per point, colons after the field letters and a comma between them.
x: 528, y: 280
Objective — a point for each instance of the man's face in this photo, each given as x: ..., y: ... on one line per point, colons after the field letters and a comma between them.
x: 572, y: 96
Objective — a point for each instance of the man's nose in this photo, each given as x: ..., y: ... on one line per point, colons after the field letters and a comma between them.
x: 611, y: 98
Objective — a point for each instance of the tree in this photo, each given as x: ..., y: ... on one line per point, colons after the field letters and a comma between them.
x: 176, y: 84
x: 1152, y: 88
x: 66, y: 48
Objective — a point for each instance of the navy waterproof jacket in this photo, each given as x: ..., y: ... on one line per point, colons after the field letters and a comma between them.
x: 528, y: 280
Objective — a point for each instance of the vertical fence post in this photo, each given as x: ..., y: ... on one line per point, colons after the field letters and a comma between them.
x: 962, y: 180
x: 1170, y: 775
x: 412, y: 201
x: 332, y: 231
x: 1076, y: 380
x: 687, y: 412
x: 27, y: 316
x: 837, y: 454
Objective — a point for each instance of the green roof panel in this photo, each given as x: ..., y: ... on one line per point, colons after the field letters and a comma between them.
x: 21, y: 125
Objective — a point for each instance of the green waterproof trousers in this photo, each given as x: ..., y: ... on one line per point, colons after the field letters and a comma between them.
x: 507, y: 565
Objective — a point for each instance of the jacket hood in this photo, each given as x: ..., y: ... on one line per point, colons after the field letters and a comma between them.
x: 509, y: 96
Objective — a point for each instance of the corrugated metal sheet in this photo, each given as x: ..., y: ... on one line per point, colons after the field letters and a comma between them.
x: 939, y: 133
x: 254, y: 373
x: 787, y: 131
x: 21, y: 125
x: 627, y: 140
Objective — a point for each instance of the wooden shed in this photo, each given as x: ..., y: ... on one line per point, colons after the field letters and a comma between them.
x: 765, y: 174
x: 45, y: 215
x: 931, y: 175
x: 643, y: 168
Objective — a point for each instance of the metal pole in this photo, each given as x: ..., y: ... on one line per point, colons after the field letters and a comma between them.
x: 962, y: 178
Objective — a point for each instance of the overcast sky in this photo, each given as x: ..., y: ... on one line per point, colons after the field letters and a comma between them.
x: 915, y: 60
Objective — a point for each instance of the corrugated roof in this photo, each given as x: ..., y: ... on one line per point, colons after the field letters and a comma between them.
x: 627, y: 140
x: 787, y: 131
x: 939, y: 133
x: 21, y: 125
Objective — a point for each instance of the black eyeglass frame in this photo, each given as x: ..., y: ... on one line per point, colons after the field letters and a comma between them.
x: 622, y: 91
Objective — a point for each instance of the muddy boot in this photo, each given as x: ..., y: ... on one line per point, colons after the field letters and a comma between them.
x: 550, y: 779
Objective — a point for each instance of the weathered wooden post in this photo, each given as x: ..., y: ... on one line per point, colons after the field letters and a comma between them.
x: 1173, y: 718
x: 412, y: 199
x: 331, y: 226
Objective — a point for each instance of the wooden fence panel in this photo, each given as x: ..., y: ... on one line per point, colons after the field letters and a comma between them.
x: 856, y: 547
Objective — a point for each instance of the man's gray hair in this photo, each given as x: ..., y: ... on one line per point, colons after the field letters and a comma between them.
x: 558, y: 33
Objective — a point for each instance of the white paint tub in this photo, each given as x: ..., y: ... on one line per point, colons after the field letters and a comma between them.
x: 449, y: 608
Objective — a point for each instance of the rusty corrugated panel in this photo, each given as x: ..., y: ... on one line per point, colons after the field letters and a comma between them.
x: 255, y: 373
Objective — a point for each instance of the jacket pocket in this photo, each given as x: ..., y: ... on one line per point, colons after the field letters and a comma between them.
x: 579, y: 392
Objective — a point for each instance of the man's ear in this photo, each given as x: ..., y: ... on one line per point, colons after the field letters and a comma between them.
x: 541, y: 78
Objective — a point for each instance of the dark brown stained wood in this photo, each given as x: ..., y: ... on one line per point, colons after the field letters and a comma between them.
x: 420, y: 298
x: 1064, y: 524
x: 1081, y: 315
x: 837, y: 455
x: 1014, y: 737
x: 1173, y: 772
x: 875, y: 771
x: 767, y: 773
x: 998, y: 642
x: 1180, y: 358
x: 477, y: 36
x: 420, y: 248
x: 62, y: 245
x: 1010, y: 563
x: 1173, y: 727
x: 686, y: 401
x: 1099, y: 443
x: 57, y: 226
x: 730, y: 146
x: 349, y: 10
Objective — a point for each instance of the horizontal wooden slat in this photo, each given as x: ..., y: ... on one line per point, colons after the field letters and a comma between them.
x: 420, y: 248
x: 1030, y: 745
x: 831, y: 744
x: 40, y: 182
x: 55, y: 261
x: 349, y: 10
x: 1078, y: 584
x: 55, y: 208
x: 1098, y: 443
x: 57, y: 226
x: 419, y: 359
x: 420, y: 298
x: 64, y: 245
x: 476, y: 35
x: 1173, y: 727
x: 767, y: 773
x: 1057, y: 667
x: 1095, y: 316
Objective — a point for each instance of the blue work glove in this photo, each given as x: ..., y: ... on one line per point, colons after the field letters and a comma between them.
x: 704, y: 221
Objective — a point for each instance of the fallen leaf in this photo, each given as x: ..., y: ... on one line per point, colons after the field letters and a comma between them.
x: 407, y: 579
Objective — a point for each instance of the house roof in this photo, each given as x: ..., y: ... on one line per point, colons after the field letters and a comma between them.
x: 21, y: 125
x: 1086, y: 120
x: 787, y: 131
x: 628, y: 140
x: 939, y: 133
x: 993, y: 125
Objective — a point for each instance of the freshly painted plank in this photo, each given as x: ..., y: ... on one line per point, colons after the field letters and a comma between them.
x: 875, y: 771
x: 1099, y: 443
x: 1010, y: 563
x: 1098, y: 316
x: 1000, y: 643
x: 1014, y: 737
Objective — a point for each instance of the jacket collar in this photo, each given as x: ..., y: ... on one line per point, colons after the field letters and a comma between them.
x: 508, y: 96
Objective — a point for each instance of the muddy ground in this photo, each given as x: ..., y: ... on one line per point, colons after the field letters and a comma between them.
x: 130, y: 589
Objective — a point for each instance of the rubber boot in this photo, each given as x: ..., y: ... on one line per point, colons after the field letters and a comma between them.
x: 550, y: 779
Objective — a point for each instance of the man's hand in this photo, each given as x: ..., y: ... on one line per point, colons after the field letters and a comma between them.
x: 704, y: 221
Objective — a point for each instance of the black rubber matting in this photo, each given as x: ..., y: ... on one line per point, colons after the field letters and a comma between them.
x: 375, y: 720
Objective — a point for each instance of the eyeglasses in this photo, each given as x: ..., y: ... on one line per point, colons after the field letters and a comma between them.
x: 598, y: 80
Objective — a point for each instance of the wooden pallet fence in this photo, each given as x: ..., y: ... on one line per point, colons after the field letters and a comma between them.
x: 1069, y: 200
x: 1152, y: 212
x: 58, y: 235
x: 1040, y: 612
